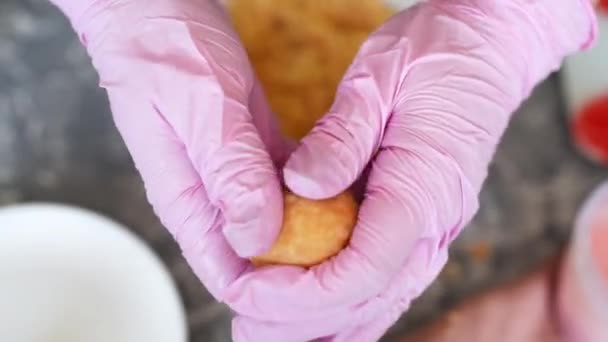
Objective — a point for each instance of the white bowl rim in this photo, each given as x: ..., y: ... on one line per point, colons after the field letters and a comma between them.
x: 67, y: 210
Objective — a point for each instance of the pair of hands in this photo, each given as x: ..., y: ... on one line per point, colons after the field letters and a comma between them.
x: 417, y: 116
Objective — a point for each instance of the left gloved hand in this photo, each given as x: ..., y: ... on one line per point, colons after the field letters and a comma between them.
x: 193, y: 116
x: 422, y: 109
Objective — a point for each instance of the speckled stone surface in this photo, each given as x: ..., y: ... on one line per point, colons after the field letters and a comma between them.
x: 58, y: 143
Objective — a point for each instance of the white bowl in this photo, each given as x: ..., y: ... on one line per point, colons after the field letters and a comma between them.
x: 67, y: 274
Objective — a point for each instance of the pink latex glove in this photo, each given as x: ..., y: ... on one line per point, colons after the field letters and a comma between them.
x: 422, y: 109
x: 195, y: 120
x: 428, y: 96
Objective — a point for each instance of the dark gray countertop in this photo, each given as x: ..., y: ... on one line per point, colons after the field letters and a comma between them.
x: 58, y: 143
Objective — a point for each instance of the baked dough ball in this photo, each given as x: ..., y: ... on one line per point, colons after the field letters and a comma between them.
x: 313, y: 230
x: 300, y: 50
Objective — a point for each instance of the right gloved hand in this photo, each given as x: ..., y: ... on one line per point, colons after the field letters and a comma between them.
x: 420, y: 111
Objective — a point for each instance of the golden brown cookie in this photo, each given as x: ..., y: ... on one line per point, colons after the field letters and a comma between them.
x: 313, y: 230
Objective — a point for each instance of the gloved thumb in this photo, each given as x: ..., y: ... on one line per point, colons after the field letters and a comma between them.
x: 336, y: 152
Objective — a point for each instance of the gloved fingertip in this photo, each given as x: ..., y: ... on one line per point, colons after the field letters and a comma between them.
x: 311, y: 171
x: 253, y: 224
x: 303, y: 185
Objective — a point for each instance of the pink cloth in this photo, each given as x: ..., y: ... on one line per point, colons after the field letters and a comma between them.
x: 518, y: 311
x: 421, y: 109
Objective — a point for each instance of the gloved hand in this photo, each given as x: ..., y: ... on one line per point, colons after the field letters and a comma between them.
x: 195, y: 120
x: 417, y: 118
x: 429, y: 110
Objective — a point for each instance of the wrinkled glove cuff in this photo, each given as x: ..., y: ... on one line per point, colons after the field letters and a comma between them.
x: 85, y: 15
x: 74, y: 9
